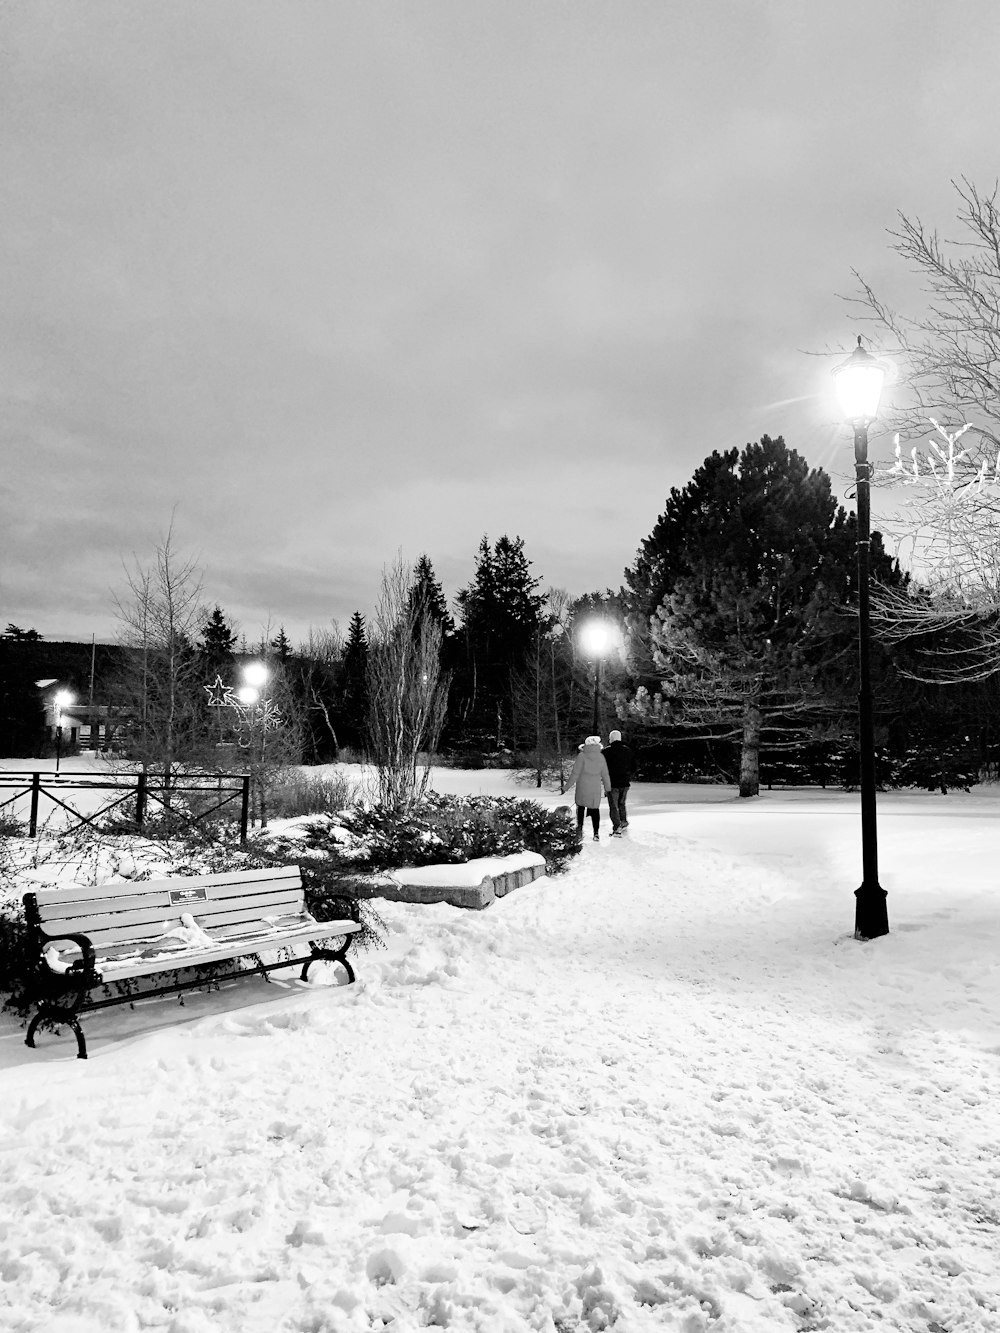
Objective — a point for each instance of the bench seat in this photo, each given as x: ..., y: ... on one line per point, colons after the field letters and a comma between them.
x: 118, y: 967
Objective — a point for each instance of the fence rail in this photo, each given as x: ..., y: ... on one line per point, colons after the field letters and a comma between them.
x: 138, y: 788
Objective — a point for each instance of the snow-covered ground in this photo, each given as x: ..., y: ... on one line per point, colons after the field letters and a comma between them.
x: 666, y: 1090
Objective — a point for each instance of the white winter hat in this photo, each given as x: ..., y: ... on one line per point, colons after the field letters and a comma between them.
x: 614, y: 735
x: 592, y: 740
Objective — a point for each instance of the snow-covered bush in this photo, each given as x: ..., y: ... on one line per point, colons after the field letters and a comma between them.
x: 450, y: 829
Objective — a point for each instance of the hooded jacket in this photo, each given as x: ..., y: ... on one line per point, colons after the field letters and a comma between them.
x: 590, y: 773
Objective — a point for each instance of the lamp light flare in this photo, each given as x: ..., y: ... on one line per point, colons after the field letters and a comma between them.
x: 247, y: 695
x: 596, y: 636
x: 858, y: 382
x: 62, y: 699
x: 255, y: 674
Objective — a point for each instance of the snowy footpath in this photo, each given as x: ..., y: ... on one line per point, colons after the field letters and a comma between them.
x: 666, y: 1090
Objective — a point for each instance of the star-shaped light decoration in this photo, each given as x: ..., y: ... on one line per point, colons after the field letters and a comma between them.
x: 220, y: 695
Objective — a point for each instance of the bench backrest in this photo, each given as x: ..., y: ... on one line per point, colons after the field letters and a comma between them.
x: 124, y: 910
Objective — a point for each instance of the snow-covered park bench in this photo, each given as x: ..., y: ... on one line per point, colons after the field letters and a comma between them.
x: 110, y: 938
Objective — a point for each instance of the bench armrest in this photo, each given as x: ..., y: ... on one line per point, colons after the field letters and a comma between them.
x: 86, y: 948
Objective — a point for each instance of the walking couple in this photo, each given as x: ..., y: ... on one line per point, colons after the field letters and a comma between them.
x: 596, y: 768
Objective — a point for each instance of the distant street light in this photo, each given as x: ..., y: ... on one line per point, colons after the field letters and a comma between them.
x: 596, y: 639
x: 255, y: 674
x: 252, y: 694
x: 62, y: 699
x: 859, y: 387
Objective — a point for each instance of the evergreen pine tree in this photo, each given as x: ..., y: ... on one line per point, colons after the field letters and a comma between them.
x: 427, y: 591
x: 500, y: 610
x: 744, y: 586
x: 280, y: 644
x: 216, y: 646
x: 354, y: 690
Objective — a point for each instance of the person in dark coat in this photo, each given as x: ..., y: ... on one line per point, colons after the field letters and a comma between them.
x: 590, y: 773
x: 621, y: 764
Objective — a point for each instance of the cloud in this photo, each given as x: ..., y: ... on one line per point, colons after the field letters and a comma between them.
x: 335, y: 280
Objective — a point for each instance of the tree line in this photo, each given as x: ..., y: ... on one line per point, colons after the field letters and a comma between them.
x: 732, y: 655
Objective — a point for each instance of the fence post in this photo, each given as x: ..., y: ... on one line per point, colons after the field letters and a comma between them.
x: 245, y: 810
x: 140, y: 801
x: 36, y: 780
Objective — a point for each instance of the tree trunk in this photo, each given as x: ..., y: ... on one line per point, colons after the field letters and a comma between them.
x: 750, y: 750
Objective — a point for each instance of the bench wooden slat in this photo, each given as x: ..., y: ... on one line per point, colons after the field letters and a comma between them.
x: 235, y: 881
x: 259, y: 904
x: 82, y: 908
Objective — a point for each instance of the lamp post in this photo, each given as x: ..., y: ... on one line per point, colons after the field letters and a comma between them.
x: 859, y: 386
x: 596, y: 637
x: 63, y: 699
x: 253, y: 696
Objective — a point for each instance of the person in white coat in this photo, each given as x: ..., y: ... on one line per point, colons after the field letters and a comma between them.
x: 590, y: 773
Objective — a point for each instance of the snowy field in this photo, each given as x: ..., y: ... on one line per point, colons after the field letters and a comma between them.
x: 666, y: 1090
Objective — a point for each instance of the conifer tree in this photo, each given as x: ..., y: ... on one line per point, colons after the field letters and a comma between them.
x: 500, y: 610
x: 426, y: 592
x: 281, y: 646
x: 739, y: 599
x: 216, y: 646
x: 354, y: 696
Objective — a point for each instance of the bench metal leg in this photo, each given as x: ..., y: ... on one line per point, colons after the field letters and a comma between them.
x: 332, y: 956
x: 53, y: 1019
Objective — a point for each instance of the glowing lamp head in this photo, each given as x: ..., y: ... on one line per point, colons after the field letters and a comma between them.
x: 63, y: 699
x: 255, y: 674
x: 247, y: 695
x: 596, y: 637
x: 859, y: 383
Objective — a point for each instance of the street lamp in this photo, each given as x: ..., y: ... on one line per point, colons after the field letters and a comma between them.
x: 62, y: 699
x: 252, y: 694
x: 255, y: 674
x: 859, y: 386
x: 596, y: 637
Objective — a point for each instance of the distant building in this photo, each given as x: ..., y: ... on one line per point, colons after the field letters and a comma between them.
x: 27, y: 707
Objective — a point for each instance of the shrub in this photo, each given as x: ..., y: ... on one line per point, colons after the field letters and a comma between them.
x: 454, y: 829
x: 299, y: 793
x: 16, y: 958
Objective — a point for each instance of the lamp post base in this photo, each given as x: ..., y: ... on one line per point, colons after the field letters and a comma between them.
x: 871, y: 916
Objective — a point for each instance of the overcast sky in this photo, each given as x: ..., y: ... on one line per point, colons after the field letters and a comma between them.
x: 330, y: 281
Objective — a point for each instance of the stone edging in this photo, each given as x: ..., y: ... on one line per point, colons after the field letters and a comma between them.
x: 429, y: 884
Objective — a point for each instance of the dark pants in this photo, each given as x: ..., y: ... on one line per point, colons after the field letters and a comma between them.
x: 616, y: 803
x: 595, y: 818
